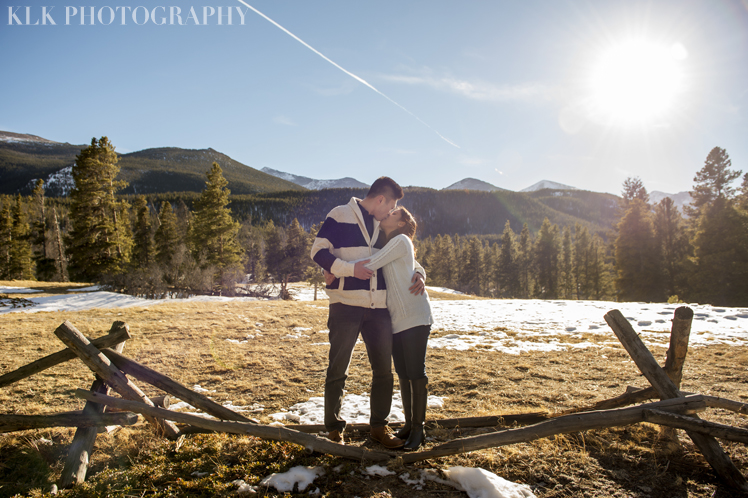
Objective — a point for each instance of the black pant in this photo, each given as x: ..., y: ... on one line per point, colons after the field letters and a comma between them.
x: 409, y: 352
x: 375, y: 325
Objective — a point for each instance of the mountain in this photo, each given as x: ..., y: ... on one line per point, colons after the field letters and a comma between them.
x: 547, y: 184
x: 597, y: 208
x: 313, y: 184
x: 473, y: 184
x: 680, y: 199
x: 25, y: 158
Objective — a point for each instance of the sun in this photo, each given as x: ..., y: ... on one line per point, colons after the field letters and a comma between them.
x: 637, y: 81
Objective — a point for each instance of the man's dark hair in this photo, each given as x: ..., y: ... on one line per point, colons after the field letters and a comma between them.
x: 386, y: 186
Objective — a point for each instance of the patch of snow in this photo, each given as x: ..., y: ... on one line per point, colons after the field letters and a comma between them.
x: 17, y: 290
x: 378, y: 470
x: 355, y: 409
x: 296, y: 476
x: 480, y: 483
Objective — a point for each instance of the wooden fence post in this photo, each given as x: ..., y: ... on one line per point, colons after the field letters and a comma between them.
x: 76, y: 463
x: 709, y: 447
x: 101, y: 365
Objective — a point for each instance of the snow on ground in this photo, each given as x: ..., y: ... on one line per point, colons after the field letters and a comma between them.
x: 477, y: 483
x: 17, y: 290
x: 355, y: 410
x: 510, y: 326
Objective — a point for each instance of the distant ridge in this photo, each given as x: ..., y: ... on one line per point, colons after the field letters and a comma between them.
x: 680, y: 199
x: 473, y: 184
x: 25, y: 158
x: 312, y: 184
x: 548, y: 184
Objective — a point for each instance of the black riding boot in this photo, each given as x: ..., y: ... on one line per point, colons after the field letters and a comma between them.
x: 405, y: 393
x: 420, y: 400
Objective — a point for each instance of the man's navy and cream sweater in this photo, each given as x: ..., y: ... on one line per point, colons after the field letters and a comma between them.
x: 344, y: 238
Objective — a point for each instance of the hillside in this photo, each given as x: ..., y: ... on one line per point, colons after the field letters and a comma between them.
x: 25, y: 158
x: 313, y: 184
x: 464, y: 212
x: 596, y: 208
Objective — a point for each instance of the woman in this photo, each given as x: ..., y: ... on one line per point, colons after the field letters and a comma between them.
x: 411, y: 321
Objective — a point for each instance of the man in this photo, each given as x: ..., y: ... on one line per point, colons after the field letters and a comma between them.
x: 358, y: 304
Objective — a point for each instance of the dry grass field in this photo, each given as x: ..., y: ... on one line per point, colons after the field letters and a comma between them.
x: 189, y: 343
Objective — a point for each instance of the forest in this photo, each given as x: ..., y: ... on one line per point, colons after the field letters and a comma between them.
x: 183, y: 243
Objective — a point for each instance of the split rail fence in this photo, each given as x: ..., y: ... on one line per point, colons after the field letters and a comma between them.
x: 104, y: 357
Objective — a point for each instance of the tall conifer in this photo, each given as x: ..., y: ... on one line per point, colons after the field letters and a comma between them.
x: 214, y: 233
x: 97, y: 243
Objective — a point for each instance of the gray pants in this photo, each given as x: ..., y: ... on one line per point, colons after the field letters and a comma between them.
x: 345, y: 322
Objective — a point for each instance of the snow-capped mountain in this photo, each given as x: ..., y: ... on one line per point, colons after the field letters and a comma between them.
x: 313, y: 184
x: 547, y: 184
x: 473, y: 184
x: 680, y: 199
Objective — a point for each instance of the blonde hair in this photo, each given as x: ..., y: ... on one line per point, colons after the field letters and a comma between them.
x: 410, y: 226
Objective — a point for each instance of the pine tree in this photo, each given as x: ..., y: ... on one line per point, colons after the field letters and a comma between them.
x: 313, y: 273
x: 472, y: 271
x: 583, y: 261
x: 546, y: 261
x: 166, y: 238
x: 97, y: 241
x: 566, y: 273
x: 6, y: 240
x: 144, y: 252
x: 672, y: 241
x: 275, y: 243
x: 21, y: 259
x: 213, y: 233
x: 633, y: 188
x: 721, y: 250
x: 598, y: 271
x: 525, y: 262
x: 637, y: 256
x: 713, y: 181
x: 296, y: 256
x: 743, y: 196
x: 45, y: 265
x: 507, y: 267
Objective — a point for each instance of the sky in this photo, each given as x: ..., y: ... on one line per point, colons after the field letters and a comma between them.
x: 585, y: 93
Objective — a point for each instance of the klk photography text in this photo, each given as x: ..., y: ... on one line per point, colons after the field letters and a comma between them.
x: 19, y: 15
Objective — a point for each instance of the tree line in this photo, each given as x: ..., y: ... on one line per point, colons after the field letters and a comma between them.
x: 153, y: 248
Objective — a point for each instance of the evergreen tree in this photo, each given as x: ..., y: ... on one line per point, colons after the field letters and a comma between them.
x: 313, y: 273
x: 672, y: 241
x: 296, y: 257
x: 97, y: 242
x: 546, y: 261
x: 45, y: 265
x: 166, y: 238
x: 633, y: 188
x: 584, y: 254
x: 275, y: 243
x: 472, y: 273
x: 507, y: 267
x: 144, y: 251
x: 213, y: 233
x: 21, y: 260
x: 743, y: 196
x: 525, y: 262
x: 566, y: 273
x: 598, y: 271
x: 721, y: 250
x: 6, y: 240
x: 637, y: 256
x: 713, y: 181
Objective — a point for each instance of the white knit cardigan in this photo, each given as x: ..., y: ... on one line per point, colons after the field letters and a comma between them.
x: 398, y: 262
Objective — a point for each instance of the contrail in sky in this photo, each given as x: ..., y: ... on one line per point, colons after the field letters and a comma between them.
x: 361, y: 80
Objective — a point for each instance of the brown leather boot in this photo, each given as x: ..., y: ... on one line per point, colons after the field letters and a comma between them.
x: 336, y: 437
x: 380, y: 435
